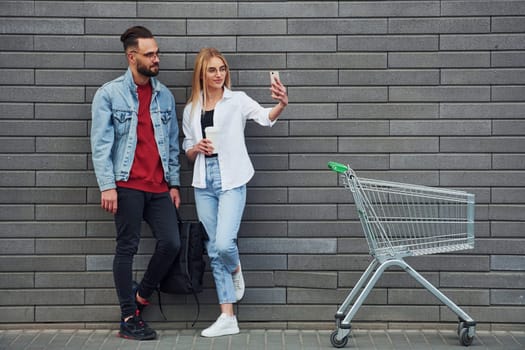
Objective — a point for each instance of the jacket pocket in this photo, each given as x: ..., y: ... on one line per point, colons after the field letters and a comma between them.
x: 165, y: 116
x: 122, y: 121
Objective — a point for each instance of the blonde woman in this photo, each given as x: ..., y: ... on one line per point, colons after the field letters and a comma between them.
x: 221, y: 170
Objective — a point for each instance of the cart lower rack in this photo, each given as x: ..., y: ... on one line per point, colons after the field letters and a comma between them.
x: 401, y: 220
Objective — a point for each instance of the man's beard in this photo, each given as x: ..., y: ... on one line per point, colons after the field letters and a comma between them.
x: 147, y: 71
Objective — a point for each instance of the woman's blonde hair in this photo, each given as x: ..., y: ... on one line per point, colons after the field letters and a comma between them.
x: 198, y: 86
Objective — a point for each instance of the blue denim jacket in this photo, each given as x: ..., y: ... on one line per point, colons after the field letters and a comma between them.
x: 114, y: 130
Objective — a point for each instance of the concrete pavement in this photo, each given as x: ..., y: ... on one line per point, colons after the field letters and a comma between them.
x: 254, y: 339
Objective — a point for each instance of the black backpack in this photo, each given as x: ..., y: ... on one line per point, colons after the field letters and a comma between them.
x: 187, y: 270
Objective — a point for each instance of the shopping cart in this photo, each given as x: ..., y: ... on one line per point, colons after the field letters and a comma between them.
x: 401, y: 220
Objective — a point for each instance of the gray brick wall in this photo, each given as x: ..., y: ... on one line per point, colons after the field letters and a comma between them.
x: 426, y: 92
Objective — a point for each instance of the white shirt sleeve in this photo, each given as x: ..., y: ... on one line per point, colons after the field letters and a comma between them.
x: 254, y: 111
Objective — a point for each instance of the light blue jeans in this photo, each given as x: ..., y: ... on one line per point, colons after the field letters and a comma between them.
x: 220, y: 212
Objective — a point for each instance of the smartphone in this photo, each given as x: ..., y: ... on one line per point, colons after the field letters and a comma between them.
x: 274, y: 74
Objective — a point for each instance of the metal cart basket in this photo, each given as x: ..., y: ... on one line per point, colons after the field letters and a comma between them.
x: 401, y: 220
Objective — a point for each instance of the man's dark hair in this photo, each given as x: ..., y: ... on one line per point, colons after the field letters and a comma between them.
x: 131, y: 36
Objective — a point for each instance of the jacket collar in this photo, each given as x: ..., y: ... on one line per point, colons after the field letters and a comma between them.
x: 128, y: 78
x: 227, y: 93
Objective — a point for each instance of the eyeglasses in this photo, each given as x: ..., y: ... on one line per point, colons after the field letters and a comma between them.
x: 213, y: 70
x: 149, y: 55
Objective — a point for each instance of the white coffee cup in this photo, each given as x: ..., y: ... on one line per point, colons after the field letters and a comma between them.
x: 213, y: 134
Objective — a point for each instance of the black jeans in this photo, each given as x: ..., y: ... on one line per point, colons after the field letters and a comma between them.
x: 158, y: 211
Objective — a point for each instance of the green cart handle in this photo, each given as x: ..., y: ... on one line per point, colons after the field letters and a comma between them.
x: 338, y: 167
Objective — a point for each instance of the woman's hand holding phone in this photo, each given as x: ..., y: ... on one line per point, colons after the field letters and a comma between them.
x: 278, y: 89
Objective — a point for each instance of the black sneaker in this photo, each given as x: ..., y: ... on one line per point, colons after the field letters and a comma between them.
x: 135, y: 288
x: 135, y: 328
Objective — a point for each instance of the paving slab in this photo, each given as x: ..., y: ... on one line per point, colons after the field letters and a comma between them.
x: 256, y: 339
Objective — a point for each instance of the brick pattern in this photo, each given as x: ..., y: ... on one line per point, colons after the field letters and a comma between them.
x: 426, y: 92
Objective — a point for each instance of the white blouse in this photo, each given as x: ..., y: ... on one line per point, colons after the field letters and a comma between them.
x: 230, y: 115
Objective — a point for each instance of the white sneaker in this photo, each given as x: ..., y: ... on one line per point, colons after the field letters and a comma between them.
x: 225, y: 325
x: 238, y: 284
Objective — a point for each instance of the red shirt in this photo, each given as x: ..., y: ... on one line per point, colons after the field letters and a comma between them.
x: 146, y: 171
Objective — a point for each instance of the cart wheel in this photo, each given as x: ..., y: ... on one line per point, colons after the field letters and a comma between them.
x: 464, y: 338
x: 338, y: 343
x: 461, y: 325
